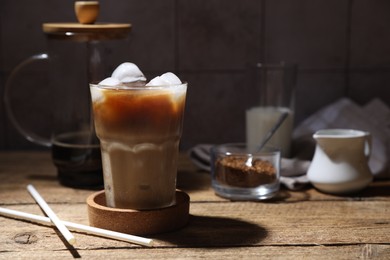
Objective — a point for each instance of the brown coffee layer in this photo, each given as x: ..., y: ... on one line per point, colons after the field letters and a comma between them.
x: 139, y: 111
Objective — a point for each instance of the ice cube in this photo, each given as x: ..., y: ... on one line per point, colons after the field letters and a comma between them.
x: 165, y: 79
x: 157, y: 81
x: 128, y: 72
x: 96, y: 94
x: 171, y: 78
x: 110, y: 82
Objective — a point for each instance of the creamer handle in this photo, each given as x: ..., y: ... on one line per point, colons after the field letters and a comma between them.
x: 28, y: 134
x: 367, y: 145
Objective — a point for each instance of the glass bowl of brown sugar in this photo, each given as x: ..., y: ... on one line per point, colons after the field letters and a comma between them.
x: 239, y: 173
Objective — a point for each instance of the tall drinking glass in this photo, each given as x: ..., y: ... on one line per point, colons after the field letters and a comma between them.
x: 139, y: 128
x: 276, y: 91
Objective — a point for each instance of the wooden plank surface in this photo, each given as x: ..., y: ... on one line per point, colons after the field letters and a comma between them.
x: 294, y: 225
x: 366, y: 251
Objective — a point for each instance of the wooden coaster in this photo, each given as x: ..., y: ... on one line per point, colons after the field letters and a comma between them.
x: 138, y: 222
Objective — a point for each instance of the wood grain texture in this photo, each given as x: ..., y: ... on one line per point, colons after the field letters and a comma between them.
x: 300, y: 224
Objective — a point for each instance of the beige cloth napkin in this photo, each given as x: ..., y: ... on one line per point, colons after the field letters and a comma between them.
x: 373, y: 117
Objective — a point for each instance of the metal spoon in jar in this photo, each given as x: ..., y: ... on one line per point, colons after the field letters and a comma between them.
x: 268, y: 136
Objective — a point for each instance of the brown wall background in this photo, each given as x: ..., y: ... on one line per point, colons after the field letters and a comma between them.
x: 342, y: 48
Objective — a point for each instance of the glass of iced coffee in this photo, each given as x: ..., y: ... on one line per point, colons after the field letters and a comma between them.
x: 139, y: 125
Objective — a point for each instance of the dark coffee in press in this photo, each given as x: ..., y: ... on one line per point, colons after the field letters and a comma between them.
x: 77, y: 157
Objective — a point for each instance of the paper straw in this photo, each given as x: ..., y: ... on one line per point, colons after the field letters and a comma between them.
x: 79, y: 227
x: 50, y: 213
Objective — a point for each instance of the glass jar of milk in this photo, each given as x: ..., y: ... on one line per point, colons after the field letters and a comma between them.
x: 275, y: 86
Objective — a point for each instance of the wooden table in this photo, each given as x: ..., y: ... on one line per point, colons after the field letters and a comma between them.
x: 294, y: 225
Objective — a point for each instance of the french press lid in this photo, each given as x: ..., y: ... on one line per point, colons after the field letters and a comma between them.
x: 86, y: 30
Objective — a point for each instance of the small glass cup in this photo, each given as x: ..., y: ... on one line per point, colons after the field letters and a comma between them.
x: 239, y: 173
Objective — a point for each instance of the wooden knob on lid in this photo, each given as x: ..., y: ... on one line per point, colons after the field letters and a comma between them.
x: 86, y: 30
x: 86, y: 11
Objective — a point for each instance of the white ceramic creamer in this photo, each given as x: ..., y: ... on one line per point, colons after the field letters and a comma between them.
x: 340, y: 162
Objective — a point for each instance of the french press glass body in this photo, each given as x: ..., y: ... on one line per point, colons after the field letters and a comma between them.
x: 74, y: 59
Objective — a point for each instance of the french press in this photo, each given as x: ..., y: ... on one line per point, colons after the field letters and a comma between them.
x: 76, y: 57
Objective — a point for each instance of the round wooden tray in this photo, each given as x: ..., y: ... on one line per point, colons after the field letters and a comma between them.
x: 87, y: 32
x: 138, y: 222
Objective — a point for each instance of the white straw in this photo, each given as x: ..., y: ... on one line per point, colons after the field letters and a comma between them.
x: 50, y: 213
x: 78, y: 227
